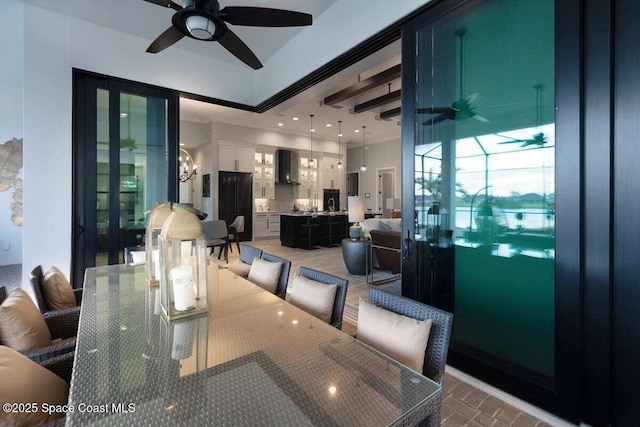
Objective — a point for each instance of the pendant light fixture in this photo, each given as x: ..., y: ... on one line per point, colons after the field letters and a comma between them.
x: 364, y: 166
x: 339, y: 144
x: 311, y: 131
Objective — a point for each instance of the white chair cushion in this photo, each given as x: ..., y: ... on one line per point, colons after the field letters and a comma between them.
x: 399, y: 337
x: 265, y: 274
x: 314, y: 297
x: 57, y: 290
x: 24, y: 381
x: 240, y: 268
x: 22, y: 326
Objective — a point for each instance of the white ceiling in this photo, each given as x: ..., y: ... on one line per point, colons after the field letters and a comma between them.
x: 146, y: 20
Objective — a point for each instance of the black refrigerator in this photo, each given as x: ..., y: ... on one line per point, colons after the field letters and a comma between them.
x: 235, y: 192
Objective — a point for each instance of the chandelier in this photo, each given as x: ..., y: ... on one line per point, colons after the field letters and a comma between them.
x: 187, y: 169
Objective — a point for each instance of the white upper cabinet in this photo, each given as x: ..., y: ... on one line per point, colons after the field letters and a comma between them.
x: 236, y: 159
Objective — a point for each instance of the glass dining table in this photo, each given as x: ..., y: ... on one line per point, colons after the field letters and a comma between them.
x: 253, y: 359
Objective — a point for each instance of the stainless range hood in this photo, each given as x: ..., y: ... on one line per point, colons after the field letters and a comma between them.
x: 287, y: 162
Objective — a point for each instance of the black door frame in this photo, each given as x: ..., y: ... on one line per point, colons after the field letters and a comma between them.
x: 564, y: 397
x: 85, y: 85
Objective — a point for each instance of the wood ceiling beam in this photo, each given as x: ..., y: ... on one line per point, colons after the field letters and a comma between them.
x: 387, y: 115
x: 372, y: 82
x: 379, y: 101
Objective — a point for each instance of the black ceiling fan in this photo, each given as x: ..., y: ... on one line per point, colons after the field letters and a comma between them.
x: 204, y: 20
x: 538, y: 139
x: 462, y: 109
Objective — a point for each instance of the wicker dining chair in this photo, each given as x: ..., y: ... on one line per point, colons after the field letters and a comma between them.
x: 281, y: 289
x: 62, y: 324
x: 439, y: 335
x: 36, y: 279
x: 341, y: 291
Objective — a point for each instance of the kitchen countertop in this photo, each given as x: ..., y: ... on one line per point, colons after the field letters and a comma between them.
x: 309, y: 214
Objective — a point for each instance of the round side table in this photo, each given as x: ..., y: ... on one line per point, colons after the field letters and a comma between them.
x: 354, y: 253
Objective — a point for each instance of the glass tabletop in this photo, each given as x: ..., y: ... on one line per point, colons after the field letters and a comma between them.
x: 253, y: 359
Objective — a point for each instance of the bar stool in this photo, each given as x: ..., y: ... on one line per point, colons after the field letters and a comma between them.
x: 313, y: 223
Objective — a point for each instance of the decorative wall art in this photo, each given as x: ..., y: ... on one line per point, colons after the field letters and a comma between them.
x: 206, y: 185
x: 10, y: 166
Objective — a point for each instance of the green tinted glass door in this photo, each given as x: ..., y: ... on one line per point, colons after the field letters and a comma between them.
x: 484, y: 165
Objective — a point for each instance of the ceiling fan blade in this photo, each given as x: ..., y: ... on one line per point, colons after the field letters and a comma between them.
x: 164, y: 40
x: 434, y: 110
x: 233, y: 44
x: 166, y: 3
x: 264, y: 17
x: 437, y: 119
x: 482, y: 119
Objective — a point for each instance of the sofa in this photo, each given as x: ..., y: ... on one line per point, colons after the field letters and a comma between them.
x: 369, y: 224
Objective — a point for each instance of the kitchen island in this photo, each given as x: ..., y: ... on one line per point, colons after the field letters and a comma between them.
x: 302, y: 230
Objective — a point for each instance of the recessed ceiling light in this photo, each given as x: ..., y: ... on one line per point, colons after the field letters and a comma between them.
x: 295, y: 118
x: 182, y: 144
x: 123, y: 115
x: 328, y: 125
x: 357, y: 131
x: 280, y: 124
x: 340, y: 135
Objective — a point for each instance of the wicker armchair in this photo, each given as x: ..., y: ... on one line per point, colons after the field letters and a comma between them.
x: 36, y: 279
x: 439, y: 335
x: 341, y: 292
x: 62, y: 324
x: 281, y: 289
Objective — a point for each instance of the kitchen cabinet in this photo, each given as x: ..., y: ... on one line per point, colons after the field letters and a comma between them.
x: 332, y: 177
x: 308, y: 188
x: 235, y: 159
x: 267, y: 225
x: 264, y: 182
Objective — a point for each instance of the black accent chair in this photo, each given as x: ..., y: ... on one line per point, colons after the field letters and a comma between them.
x: 341, y: 292
x: 281, y: 289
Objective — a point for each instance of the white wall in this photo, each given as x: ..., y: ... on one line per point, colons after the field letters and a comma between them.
x: 11, y: 126
x: 54, y: 45
x: 345, y: 24
x: 377, y: 156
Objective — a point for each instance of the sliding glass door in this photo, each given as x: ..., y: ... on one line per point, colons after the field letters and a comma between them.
x: 125, y: 142
x: 479, y: 198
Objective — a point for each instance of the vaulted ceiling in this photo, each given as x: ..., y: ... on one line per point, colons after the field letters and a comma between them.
x: 358, y: 106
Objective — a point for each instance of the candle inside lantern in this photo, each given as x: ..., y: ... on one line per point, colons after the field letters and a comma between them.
x: 182, y: 282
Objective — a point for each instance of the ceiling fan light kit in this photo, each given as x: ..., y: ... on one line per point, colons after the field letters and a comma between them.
x: 204, y: 20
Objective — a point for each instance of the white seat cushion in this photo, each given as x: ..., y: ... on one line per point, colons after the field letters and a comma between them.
x: 314, y: 297
x: 399, y: 337
x: 24, y: 381
x: 240, y: 268
x: 265, y: 274
x: 22, y: 326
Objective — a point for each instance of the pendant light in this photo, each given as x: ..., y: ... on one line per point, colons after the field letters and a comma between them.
x: 364, y: 166
x: 311, y: 131
x: 339, y: 144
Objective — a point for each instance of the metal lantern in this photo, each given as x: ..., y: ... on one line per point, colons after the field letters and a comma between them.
x: 183, y: 265
x: 158, y: 216
x: 437, y: 222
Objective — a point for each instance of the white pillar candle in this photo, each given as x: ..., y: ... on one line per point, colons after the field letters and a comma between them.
x: 182, y: 282
x: 182, y: 340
